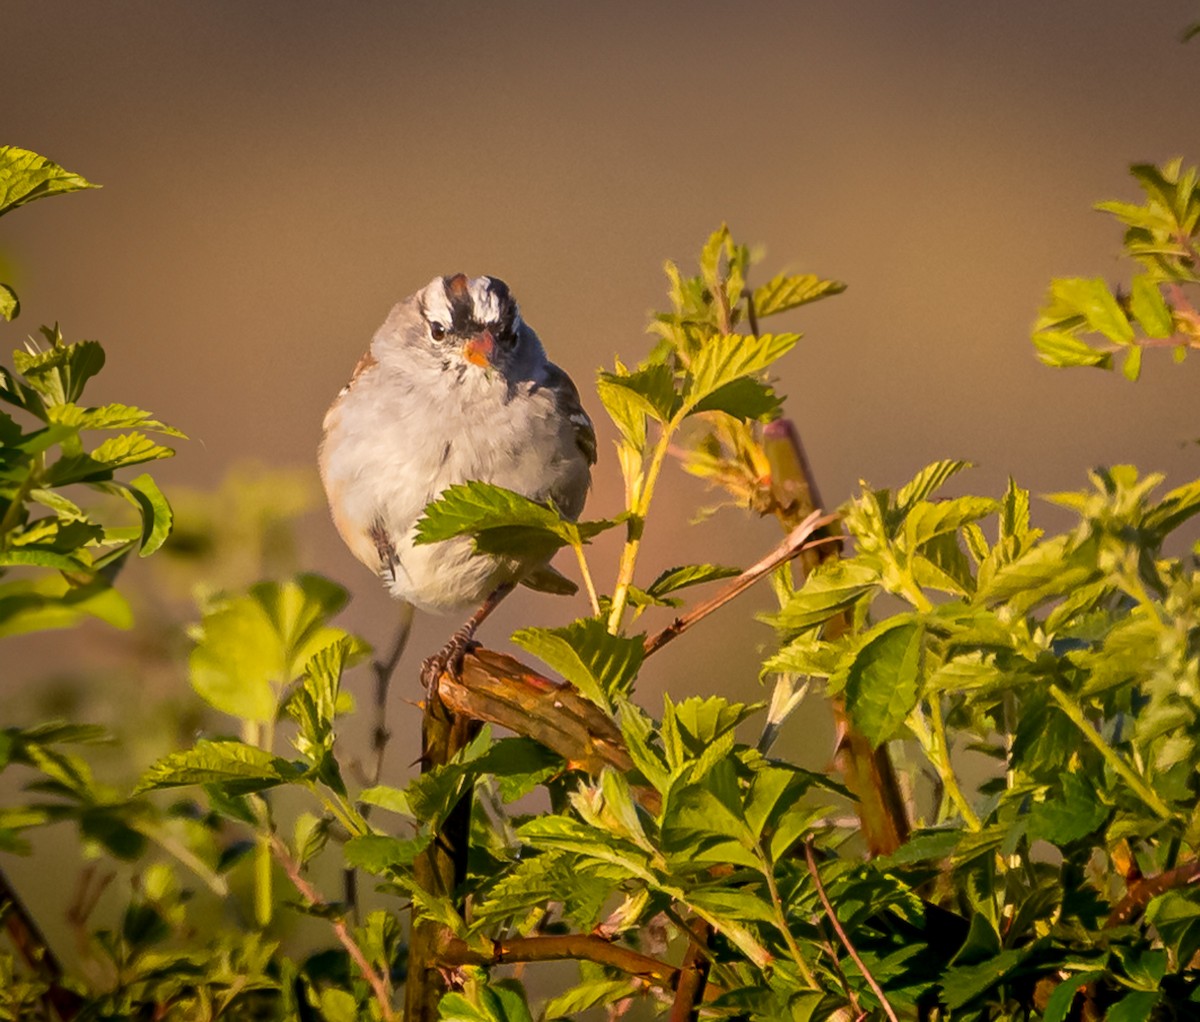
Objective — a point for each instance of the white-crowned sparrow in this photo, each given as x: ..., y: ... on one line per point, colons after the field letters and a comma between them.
x: 455, y: 387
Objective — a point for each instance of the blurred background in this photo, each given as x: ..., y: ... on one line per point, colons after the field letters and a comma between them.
x: 276, y: 176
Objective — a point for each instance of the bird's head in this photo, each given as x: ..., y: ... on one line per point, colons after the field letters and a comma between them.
x: 472, y: 322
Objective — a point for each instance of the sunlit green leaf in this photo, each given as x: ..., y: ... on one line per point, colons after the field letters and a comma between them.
x: 239, y: 768
x: 789, y: 291
x: 25, y: 176
x: 884, y: 679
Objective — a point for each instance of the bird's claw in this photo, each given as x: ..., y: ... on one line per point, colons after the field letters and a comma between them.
x: 448, y: 658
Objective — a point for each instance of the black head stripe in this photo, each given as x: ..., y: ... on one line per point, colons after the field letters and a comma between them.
x: 466, y: 319
x: 462, y: 309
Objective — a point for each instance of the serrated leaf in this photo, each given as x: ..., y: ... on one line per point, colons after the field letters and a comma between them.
x: 1174, y: 509
x: 59, y: 372
x: 743, y: 398
x: 926, y: 520
x: 1087, y: 302
x: 650, y: 389
x: 1137, y: 1006
x: 1061, y: 349
x: 34, y: 557
x: 928, y: 481
x: 10, y: 304
x: 725, y: 358
x: 157, y: 516
x: 25, y: 176
x: 884, y: 680
x: 1149, y: 309
x: 237, y: 767
x: 394, y: 800
x: 381, y: 854
x: 600, y: 665
x: 790, y: 291
x: 673, y: 579
x: 115, y: 453
x: 1069, y: 814
x: 501, y: 521
x: 111, y: 416
x: 834, y: 586
x: 582, y: 996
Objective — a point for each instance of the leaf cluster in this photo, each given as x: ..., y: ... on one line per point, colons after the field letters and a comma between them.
x: 1084, y: 322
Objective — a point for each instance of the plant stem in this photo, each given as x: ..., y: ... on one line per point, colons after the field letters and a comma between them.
x: 1074, y: 712
x: 796, y: 542
x: 939, y: 752
x: 637, y: 522
x: 842, y: 936
x: 587, y: 578
x: 442, y: 867
x: 310, y: 894
x: 768, y: 871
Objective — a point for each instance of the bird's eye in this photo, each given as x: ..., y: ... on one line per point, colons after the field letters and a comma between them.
x: 437, y: 331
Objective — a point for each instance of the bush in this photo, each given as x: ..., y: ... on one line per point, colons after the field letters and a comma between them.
x: 679, y: 859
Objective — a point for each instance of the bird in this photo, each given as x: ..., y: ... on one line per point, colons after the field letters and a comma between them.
x: 455, y: 387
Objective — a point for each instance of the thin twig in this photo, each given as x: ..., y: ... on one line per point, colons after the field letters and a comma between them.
x: 384, y: 670
x: 1140, y: 892
x: 842, y: 936
x: 579, y: 946
x: 797, y: 541
x: 693, y: 974
x: 314, y: 897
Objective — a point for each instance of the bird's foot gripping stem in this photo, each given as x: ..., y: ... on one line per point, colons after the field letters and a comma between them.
x: 450, y: 656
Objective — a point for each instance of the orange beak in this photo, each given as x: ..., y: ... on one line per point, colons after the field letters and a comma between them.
x: 479, y: 349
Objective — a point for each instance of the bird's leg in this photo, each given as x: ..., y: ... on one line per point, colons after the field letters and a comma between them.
x: 450, y: 656
x: 387, y: 554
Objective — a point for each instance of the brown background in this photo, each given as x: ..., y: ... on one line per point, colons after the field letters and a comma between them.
x: 276, y: 175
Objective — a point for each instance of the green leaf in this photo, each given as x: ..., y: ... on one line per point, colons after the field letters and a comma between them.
x: 501, y: 521
x: 743, y: 398
x: 963, y: 983
x: 10, y: 304
x: 1067, y: 815
x: 1174, y: 509
x: 927, y: 520
x: 883, y: 683
x: 115, y: 453
x: 928, y: 481
x: 1149, y: 309
x: 723, y: 359
x: 59, y: 372
x: 833, y: 587
x: 237, y: 767
x: 1134, y: 1007
x: 157, y: 517
x: 1059, y: 1004
x: 51, y: 602
x: 394, y: 800
x: 674, y: 579
x: 1060, y: 349
x: 600, y: 665
x: 380, y: 854
x: 650, y: 390
x: 582, y: 996
x: 237, y: 660
x: 112, y: 416
x: 788, y: 291
x: 25, y: 176
x: 1086, y: 302
x: 1131, y: 367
